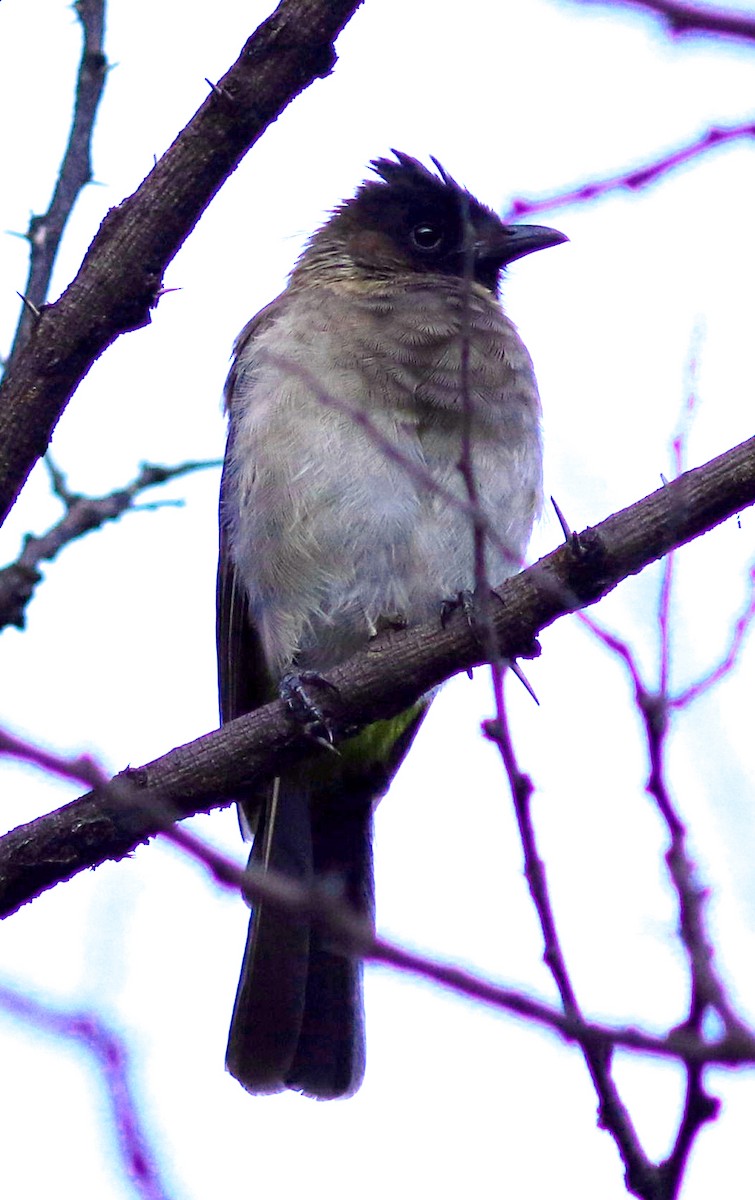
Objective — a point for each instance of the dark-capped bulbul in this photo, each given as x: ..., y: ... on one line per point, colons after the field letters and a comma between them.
x: 325, y: 538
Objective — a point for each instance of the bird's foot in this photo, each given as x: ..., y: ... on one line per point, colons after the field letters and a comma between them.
x: 464, y: 600
x: 296, y: 692
x: 469, y: 603
x: 389, y: 623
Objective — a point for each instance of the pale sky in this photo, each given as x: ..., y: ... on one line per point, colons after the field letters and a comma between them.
x: 118, y: 656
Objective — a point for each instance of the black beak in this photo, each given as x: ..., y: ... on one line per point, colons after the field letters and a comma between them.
x: 517, y: 240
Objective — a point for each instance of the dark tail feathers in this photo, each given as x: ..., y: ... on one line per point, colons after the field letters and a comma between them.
x: 298, y: 1019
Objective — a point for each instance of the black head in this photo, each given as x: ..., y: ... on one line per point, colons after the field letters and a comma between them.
x: 410, y: 219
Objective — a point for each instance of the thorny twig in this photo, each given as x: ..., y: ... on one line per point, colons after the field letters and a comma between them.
x: 122, y: 272
x: 46, y: 231
x: 83, y: 514
x: 707, y: 991
x: 378, y: 682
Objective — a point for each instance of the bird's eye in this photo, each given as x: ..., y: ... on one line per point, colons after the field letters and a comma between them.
x: 427, y: 236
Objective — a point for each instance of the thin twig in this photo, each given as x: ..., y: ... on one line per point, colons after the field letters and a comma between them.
x: 83, y: 514
x: 613, y: 1115
x: 741, y: 629
x: 393, y: 452
x: 355, y: 935
x: 634, y: 179
x: 110, y: 1055
x: 681, y: 18
x: 706, y: 989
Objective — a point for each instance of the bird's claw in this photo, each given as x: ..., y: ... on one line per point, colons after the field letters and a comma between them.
x: 303, y: 707
x: 468, y: 602
x: 465, y: 600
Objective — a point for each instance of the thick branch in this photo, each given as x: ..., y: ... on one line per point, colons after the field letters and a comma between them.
x: 45, y: 232
x: 381, y: 681
x: 121, y: 274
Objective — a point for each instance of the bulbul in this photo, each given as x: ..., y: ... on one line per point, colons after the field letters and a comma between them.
x: 325, y: 539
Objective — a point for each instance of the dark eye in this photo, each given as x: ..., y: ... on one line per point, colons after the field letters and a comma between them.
x: 427, y: 235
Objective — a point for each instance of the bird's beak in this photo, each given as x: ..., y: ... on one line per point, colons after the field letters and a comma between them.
x: 517, y: 240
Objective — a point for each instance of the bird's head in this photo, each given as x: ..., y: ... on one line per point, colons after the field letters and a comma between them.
x: 410, y: 220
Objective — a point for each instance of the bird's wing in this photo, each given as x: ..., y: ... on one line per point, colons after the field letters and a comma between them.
x: 244, y: 681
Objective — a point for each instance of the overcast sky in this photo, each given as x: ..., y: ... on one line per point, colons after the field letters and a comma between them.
x: 118, y: 656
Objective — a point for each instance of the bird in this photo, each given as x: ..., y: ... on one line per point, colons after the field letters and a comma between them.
x: 339, y: 520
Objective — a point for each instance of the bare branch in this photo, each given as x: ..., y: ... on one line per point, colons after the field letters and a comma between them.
x: 706, y: 989
x: 380, y: 682
x: 110, y: 1056
x: 636, y: 178
x: 741, y: 629
x: 681, y: 18
x: 641, y: 1173
x: 356, y: 936
x: 121, y: 274
x: 45, y: 232
x: 83, y: 514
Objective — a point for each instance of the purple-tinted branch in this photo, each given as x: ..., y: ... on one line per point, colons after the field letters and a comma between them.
x: 699, y: 1108
x: 641, y: 1174
x: 83, y: 514
x: 480, y: 524
x: 82, y: 769
x: 356, y: 936
x: 46, y: 231
x: 632, y: 180
x: 110, y: 1056
x: 678, y: 454
x: 706, y: 989
x: 393, y: 452
x: 742, y: 627
x: 681, y: 19
x: 664, y: 601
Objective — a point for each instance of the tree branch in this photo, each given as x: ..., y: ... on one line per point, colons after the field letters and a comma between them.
x: 356, y: 936
x: 640, y: 1172
x: 120, y: 277
x: 82, y: 515
x: 109, y: 1054
x: 636, y: 178
x: 681, y: 18
x: 45, y: 232
x: 381, y: 681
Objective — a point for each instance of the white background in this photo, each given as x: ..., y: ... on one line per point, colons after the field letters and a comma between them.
x: 118, y: 656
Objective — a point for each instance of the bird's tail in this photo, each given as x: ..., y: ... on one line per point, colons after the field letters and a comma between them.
x: 298, y: 1019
